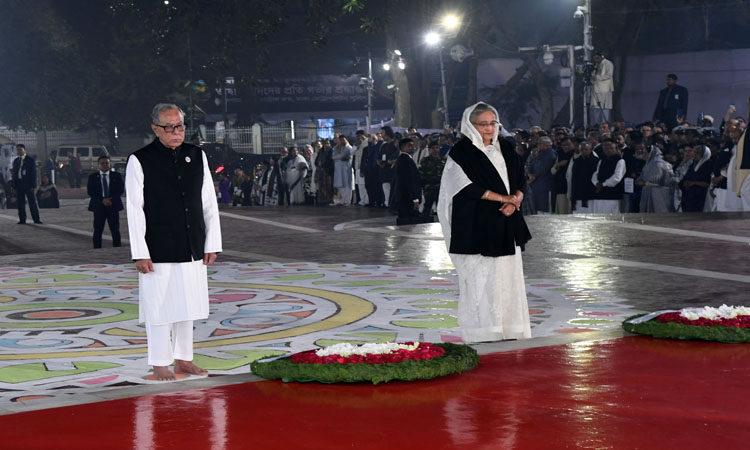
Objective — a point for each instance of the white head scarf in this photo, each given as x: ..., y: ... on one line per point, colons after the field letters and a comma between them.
x: 706, y: 156
x: 468, y: 129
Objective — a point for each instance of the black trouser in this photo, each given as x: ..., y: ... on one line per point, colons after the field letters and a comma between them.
x: 22, y: 195
x: 374, y: 189
x: 406, y: 213
x: 429, y: 199
x: 111, y: 216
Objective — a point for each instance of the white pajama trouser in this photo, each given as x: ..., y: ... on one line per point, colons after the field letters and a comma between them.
x: 363, y: 199
x: 745, y: 194
x: 169, y: 342
x: 386, y: 192
x: 346, y: 196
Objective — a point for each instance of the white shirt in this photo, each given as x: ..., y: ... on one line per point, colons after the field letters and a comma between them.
x: 615, y: 178
x: 20, y: 167
x: 103, y: 175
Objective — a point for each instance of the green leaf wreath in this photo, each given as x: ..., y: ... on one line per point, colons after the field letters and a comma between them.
x: 672, y: 330
x: 457, y: 358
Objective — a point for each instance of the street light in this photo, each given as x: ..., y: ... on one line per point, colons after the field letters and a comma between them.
x: 433, y: 39
x: 394, y: 56
x: 451, y: 21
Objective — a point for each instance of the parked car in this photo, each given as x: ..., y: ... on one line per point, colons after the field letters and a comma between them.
x: 89, y: 154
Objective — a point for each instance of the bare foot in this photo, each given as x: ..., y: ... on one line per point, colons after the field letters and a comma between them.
x: 162, y: 373
x: 181, y: 366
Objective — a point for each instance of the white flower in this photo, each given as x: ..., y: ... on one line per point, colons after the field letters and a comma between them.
x: 346, y: 350
x: 722, y: 312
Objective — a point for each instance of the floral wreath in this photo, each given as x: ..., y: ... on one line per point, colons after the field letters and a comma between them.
x: 730, y: 324
x: 376, y: 363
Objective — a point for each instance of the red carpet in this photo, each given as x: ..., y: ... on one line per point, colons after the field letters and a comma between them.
x: 630, y: 393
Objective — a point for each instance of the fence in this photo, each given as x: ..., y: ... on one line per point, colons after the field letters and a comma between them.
x: 52, y: 139
x: 258, y: 139
x: 269, y: 138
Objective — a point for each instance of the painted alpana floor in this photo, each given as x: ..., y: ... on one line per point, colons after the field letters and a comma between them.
x: 66, y: 330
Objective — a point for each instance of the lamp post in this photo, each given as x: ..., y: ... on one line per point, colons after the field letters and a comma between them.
x: 433, y: 39
x: 584, y: 12
x: 370, y: 82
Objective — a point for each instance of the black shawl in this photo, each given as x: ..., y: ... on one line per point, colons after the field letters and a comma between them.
x: 478, y: 226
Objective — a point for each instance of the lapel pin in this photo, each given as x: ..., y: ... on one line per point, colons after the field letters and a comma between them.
x: 187, y: 159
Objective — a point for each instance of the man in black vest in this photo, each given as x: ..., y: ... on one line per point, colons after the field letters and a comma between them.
x: 408, y: 187
x: 105, y: 188
x: 173, y: 224
x: 24, y: 182
x: 608, y: 180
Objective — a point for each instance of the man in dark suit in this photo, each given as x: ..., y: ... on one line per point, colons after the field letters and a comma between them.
x: 24, y: 181
x: 105, y: 188
x: 671, y: 108
x: 408, y: 185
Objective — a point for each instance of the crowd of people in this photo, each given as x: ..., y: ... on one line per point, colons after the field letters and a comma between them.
x: 618, y: 167
x: 613, y: 167
x: 363, y: 170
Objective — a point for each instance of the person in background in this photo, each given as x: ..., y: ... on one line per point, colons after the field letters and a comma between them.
x: 672, y: 105
x: 603, y: 87
x: 342, y: 175
x: 408, y: 187
x: 430, y: 172
x: 324, y: 174
x: 694, y: 184
x: 225, y: 189
x: 105, y: 188
x: 23, y: 174
x: 559, y: 171
x: 582, y: 192
x: 541, y: 180
x: 359, y: 151
x: 371, y: 173
x: 655, y: 180
x: 386, y: 160
x: 296, y: 172
x: 46, y: 195
x: 608, y: 180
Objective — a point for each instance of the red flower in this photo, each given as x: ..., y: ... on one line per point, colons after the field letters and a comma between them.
x: 737, y: 322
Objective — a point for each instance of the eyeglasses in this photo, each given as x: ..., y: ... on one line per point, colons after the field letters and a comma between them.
x: 492, y: 124
x: 171, y: 129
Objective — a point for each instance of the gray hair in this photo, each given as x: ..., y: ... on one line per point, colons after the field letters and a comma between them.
x: 160, y: 108
x: 546, y: 140
x: 481, y: 108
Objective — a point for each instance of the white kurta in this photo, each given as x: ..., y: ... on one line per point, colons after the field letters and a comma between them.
x: 173, y: 292
x: 608, y: 206
x: 296, y: 170
x: 492, y: 302
x: 603, y: 85
x: 732, y: 202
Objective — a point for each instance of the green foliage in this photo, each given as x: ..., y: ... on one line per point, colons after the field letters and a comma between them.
x: 353, y: 6
x: 671, y: 330
x: 457, y: 359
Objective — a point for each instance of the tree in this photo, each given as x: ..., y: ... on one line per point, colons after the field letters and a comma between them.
x: 45, y: 83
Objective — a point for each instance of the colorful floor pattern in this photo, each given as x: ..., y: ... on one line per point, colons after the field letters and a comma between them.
x: 67, y: 330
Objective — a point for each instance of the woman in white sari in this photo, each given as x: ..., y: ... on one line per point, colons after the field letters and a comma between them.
x: 481, y: 193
